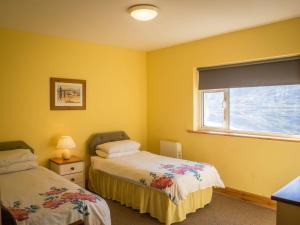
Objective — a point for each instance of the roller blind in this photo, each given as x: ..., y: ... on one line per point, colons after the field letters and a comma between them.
x: 264, y: 73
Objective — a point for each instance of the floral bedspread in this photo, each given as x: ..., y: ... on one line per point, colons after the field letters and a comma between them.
x: 39, y: 196
x: 176, y: 177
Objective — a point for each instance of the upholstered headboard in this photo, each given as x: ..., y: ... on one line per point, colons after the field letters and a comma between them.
x: 101, y: 138
x: 11, y: 145
x: 7, y: 218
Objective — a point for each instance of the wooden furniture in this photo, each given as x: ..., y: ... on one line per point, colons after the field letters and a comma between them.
x: 72, y: 169
x: 288, y: 203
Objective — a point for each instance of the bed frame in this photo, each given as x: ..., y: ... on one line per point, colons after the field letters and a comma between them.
x: 101, y: 138
x: 7, y: 218
x: 11, y: 145
x: 173, y: 213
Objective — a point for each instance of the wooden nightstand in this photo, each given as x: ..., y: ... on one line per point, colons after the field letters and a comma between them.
x: 72, y: 169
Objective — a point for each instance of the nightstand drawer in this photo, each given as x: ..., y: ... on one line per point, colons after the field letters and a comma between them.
x: 67, y: 168
x: 75, y: 177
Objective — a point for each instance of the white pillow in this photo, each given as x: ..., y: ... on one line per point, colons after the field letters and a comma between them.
x: 18, y: 167
x: 119, y: 146
x: 15, y: 156
x: 114, y: 155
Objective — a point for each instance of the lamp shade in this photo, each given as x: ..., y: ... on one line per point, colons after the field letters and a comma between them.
x: 65, y: 142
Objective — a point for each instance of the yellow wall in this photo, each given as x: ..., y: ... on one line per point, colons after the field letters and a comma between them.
x: 116, y: 90
x: 257, y: 166
x: 117, y: 98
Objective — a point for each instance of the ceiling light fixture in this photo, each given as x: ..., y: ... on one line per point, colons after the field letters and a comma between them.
x: 143, y: 12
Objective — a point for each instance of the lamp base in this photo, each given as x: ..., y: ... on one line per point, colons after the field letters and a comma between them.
x: 66, y: 154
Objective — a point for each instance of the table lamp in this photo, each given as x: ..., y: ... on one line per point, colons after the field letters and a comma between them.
x: 66, y: 143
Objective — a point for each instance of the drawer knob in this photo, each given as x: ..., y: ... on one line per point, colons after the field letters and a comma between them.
x: 72, y: 168
x: 72, y: 179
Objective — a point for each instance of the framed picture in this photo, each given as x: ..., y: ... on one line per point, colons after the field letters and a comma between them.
x: 67, y: 94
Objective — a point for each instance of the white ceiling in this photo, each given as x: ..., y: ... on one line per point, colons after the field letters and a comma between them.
x: 108, y: 22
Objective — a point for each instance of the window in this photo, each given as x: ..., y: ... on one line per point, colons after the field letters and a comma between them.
x: 260, y: 99
x: 262, y: 109
x: 213, y: 109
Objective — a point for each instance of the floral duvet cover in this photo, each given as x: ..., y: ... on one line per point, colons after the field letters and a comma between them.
x: 39, y: 196
x: 176, y: 177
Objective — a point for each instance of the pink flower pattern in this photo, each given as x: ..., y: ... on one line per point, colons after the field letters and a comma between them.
x: 162, y: 182
x: 164, y: 177
x: 53, y: 199
x: 19, y: 214
x: 53, y: 204
x: 55, y: 191
x: 183, y: 169
x: 59, y: 196
x: 78, y: 196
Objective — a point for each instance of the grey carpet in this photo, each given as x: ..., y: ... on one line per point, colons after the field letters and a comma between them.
x: 221, y: 211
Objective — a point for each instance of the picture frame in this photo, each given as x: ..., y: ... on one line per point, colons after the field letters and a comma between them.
x: 67, y: 94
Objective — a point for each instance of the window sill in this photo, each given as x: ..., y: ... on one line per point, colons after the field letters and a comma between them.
x: 245, y: 135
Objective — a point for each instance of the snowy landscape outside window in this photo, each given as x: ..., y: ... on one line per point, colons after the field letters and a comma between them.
x: 273, y: 110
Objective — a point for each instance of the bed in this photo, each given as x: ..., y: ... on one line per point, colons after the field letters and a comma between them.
x: 166, y: 188
x: 39, y: 196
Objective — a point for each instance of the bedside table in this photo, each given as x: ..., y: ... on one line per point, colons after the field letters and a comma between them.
x: 72, y: 169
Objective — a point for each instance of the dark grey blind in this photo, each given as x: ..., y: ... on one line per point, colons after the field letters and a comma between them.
x: 264, y: 73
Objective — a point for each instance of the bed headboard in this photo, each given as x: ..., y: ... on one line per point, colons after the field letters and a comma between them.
x: 11, y: 145
x: 102, y: 138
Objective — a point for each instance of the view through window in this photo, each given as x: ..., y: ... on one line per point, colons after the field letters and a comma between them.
x: 267, y: 110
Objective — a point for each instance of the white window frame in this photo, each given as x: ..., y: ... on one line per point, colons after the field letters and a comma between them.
x: 226, y: 109
x: 226, y: 126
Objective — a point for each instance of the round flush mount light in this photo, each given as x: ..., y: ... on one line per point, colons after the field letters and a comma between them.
x: 143, y: 12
